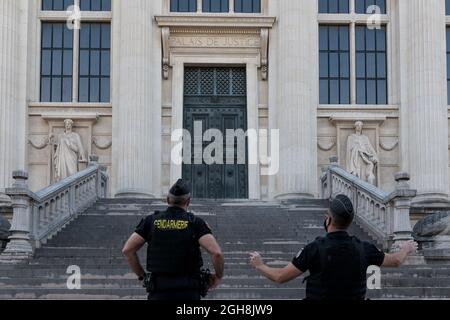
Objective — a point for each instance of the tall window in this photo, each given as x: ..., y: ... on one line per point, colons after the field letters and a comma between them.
x: 183, y: 5
x: 371, y: 66
x: 75, y: 64
x: 334, y: 6
x: 352, y: 54
x: 334, y: 65
x: 363, y: 6
x: 247, y: 6
x: 56, y: 5
x: 56, y: 62
x: 216, y: 6
x: 95, y: 5
x: 95, y: 62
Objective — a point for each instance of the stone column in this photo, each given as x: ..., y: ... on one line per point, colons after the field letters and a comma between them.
x: 298, y: 98
x: 133, y: 119
x: 423, y: 114
x: 13, y: 62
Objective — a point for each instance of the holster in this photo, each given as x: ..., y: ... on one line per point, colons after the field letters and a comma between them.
x: 205, y: 279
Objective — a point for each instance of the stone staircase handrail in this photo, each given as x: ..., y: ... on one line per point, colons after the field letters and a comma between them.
x: 385, y: 216
x: 38, y: 216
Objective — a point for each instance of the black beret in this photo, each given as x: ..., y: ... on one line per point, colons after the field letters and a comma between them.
x: 180, y: 188
x: 342, y: 206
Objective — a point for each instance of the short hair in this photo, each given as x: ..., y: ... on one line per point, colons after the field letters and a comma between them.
x: 342, y: 211
x: 178, y: 200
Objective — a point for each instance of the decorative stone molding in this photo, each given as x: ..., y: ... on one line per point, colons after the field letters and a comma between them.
x: 326, y: 145
x: 264, y: 53
x: 101, y: 146
x: 356, y: 116
x: 75, y: 116
x: 389, y: 147
x: 210, y: 32
x: 39, y: 146
x: 165, y: 34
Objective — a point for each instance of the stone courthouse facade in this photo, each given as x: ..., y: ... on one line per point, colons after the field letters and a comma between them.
x: 137, y: 70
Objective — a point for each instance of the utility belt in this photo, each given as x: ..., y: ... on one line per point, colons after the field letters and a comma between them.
x: 161, y: 283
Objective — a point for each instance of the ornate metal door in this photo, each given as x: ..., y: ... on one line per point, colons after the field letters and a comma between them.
x: 216, y: 98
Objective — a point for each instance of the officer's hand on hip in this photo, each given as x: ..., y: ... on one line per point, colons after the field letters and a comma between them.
x: 256, y: 260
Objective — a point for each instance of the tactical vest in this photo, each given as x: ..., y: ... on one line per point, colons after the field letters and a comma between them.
x: 343, y: 272
x: 173, y: 247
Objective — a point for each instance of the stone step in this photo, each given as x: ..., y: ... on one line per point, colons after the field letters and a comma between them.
x: 129, y: 281
x: 221, y: 293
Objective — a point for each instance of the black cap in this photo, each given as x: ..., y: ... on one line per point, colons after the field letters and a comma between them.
x: 342, y: 206
x: 180, y: 188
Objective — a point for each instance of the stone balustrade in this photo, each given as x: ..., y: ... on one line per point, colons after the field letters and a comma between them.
x: 384, y: 215
x: 39, y: 216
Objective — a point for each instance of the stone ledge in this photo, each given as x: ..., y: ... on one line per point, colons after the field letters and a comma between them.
x: 215, y: 21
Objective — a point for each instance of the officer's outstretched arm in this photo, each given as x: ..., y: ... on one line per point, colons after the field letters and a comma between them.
x: 209, y: 243
x: 133, y: 245
x: 395, y: 260
x: 278, y: 275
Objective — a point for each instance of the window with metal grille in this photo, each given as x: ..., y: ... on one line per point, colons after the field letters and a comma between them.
x: 56, y: 62
x: 363, y: 6
x: 94, y: 62
x: 216, y: 6
x: 56, y: 5
x: 183, y: 5
x: 371, y: 65
x: 247, y: 6
x: 334, y: 6
x: 95, y: 5
x: 215, y: 82
x: 334, y: 64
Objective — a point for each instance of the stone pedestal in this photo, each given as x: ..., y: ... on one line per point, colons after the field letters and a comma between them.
x: 423, y: 111
x: 133, y: 115
x: 13, y: 64
x: 297, y: 98
x: 19, y: 248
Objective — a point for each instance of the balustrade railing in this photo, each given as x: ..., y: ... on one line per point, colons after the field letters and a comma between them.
x: 39, y: 216
x: 385, y: 216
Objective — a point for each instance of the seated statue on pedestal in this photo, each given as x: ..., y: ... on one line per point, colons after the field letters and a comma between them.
x: 361, y: 156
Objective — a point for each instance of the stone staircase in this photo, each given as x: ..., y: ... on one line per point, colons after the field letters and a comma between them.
x: 94, y: 241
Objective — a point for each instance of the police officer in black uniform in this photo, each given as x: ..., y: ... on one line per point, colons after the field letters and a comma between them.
x: 338, y: 262
x: 174, y: 259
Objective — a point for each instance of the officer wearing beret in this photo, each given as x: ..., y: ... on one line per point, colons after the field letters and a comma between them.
x: 174, y: 260
x: 338, y: 262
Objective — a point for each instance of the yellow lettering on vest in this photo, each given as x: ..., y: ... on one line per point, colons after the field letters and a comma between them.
x: 171, y: 224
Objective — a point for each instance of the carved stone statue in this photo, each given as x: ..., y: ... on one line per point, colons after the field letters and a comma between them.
x: 68, y: 154
x: 361, y: 155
